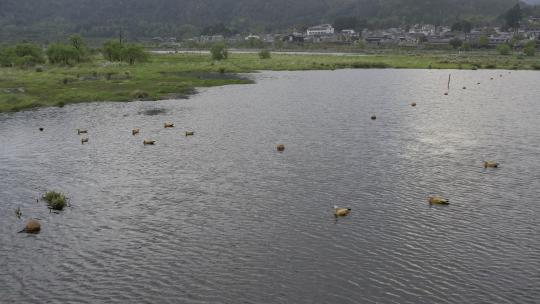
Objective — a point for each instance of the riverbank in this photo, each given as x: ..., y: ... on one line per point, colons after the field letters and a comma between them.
x: 170, y: 76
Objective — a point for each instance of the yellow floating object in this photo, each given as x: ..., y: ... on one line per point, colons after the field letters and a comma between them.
x: 168, y: 125
x: 82, y: 131
x: 490, y: 164
x: 190, y: 133
x: 149, y: 142
x: 341, y: 211
x: 413, y: 104
x: 438, y: 200
x: 135, y: 131
x: 280, y: 147
x: 84, y: 140
x: 32, y: 226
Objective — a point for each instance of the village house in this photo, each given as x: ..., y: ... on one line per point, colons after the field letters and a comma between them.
x: 251, y: 36
x: 268, y: 38
x: 320, y: 30
x: 499, y: 38
x: 294, y: 37
x: 533, y: 34
x: 207, y: 39
x: 348, y: 36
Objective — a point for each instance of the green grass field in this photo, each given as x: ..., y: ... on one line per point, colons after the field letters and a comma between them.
x: 177, y: 75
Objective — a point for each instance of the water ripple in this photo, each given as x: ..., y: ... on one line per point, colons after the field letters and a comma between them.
x: 221, y: 217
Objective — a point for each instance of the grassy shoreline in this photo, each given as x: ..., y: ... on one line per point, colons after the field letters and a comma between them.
x: 168, y: 76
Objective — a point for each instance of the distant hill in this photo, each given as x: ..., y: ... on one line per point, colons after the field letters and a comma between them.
x: 50, y: 19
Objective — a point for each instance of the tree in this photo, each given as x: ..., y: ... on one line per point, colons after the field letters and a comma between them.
x: 466, y: 46
x: 216, y: 29
x: 483, y: 41
x: 530, y: 48
x: 112, y: 50
x: 466, y: 26
x: 513, y: 17
x: 253, y: 42
x: 343, y: 23
x: 264, y: 54
x: 77, y: 42
x: 22, y: 55
x: 462, y: 26
x: 132, y: 53
x: 7, y: 56
x: 504, y: 49
x: 79, y: 45
x: 456, y: 27
x: 456, y: 42
x: 219, y: 51
x: 62, y: 53
x: 29, y: 49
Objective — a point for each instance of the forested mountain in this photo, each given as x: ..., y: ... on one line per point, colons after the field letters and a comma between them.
x: 39, y: 19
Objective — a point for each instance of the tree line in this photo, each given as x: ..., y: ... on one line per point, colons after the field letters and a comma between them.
x: 72, y: 52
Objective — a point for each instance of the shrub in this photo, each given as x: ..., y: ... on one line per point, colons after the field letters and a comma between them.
x: 264, y: 54
x: 219, y: 52
x: 30, y: 50
x: 55, y: 200
x: 26, y: 61
x: 504, y: 49
x: 112, y: 50
x: 491, y: 66
x: 62, y: 53
x: 22, y: 55
x: 530, y: 48
x: 483, y: 41
x: 132, y: 53
x: 369, y: 65
x: 455, y: 42
x: 7, y: 56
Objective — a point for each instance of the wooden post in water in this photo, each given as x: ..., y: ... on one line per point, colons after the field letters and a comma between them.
x: 449, y: 81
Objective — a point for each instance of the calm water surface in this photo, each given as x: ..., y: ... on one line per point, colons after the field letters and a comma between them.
x: 221, y: 217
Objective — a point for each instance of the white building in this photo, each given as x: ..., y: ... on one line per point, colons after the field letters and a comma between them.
x: 320, y: 30
x: 251, y: 36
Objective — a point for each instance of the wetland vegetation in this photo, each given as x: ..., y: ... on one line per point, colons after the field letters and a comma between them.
x: 38, y: 83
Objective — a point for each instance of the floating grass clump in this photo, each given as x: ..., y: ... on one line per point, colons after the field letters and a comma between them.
x: 55, y: 200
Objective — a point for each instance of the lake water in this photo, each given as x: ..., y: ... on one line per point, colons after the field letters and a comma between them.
x: 221, y: 217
